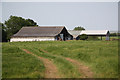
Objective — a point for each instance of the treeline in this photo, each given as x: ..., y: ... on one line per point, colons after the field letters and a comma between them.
x: 114, y: 34
x: 13, y: 25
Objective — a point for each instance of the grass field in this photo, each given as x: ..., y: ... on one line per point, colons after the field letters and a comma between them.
x: 111, y: 37
x: 100, y: 56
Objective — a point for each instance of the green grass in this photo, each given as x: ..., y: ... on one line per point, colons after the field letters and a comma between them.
x: 66, y: 69
x: 100, y: 56
x: 18, y: 64
x: 0, y: 60
x: 111, y: 37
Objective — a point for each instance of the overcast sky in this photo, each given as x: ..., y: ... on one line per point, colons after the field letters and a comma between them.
x: 90, y: 15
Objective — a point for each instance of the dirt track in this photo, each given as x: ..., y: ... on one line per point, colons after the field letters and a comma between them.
x: 86, y: 72
x: 51, y: 70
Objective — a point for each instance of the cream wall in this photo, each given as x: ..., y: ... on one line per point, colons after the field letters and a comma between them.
x: 32, y: 39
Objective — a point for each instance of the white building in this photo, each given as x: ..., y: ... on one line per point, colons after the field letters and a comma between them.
x: 41, y: 33
x: 76, y: 33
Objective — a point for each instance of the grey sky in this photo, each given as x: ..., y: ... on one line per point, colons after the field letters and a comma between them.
x: 91, y: 15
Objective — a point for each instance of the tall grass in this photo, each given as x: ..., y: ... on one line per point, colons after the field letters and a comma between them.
x: 65, y: 68
x: 100, y: 56
x: 18, y: 64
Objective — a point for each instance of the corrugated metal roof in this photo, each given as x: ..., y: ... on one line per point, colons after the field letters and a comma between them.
x: 94, y: 32
x: 74, y: 33
x: 41, y: 31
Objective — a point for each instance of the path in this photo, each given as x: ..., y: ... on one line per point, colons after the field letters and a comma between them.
x: 86, y: 72
x: 51, y: 70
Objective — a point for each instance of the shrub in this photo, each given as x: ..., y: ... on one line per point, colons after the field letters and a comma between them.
x: 113, y: 34
x: 83, y: 37
x: 93, y: 38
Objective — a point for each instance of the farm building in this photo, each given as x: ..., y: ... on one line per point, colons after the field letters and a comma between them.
x: 75, y: 34
x: 90, y: 33
x: 42, y: 33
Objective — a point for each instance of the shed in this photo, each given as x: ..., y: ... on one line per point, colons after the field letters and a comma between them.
x: 96, y: 33
x: 41, y: 33
x: 76, y: 33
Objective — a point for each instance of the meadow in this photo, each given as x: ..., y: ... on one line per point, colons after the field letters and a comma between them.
x: 100, y: 56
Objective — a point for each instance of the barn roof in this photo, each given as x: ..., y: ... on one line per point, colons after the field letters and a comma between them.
x: 94, y: 32
x: 74, y: 33
x: 41, y: 31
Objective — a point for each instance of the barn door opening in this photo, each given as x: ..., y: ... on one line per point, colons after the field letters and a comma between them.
x: 61, y: 36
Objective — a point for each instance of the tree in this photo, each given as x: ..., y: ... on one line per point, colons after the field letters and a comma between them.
x: 79, y: 28
x: 30, y: 22
x: 14, y: 24
x: 2, y: 30
x: 83, y: 37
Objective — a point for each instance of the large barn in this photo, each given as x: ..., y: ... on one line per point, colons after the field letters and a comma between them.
x: 42, y: 33
x: 99, y: 33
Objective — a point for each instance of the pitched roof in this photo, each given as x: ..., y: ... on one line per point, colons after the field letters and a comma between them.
x: 74, y: 33
x: 41, y: 31
x: 94, y: 32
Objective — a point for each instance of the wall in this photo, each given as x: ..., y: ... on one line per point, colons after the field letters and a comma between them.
x: 66, y: 35
x: 32, y: 39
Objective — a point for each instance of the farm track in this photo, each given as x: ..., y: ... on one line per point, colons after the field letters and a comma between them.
x: 84, y: 70
x: 51, y: 70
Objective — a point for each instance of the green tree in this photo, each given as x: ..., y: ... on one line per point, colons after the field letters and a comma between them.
x: 83, y: 37
x: 2, y: 30
x: 30, y: 22
x: 79, y: 28
x: 14, y: 24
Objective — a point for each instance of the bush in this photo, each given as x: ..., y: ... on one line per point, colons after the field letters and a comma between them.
x: 93, y: 38
x: 83, y: 37
x: 113, y: 34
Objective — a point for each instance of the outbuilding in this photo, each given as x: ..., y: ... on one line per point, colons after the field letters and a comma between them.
x: 100, y: 33
x: 42, y: 33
